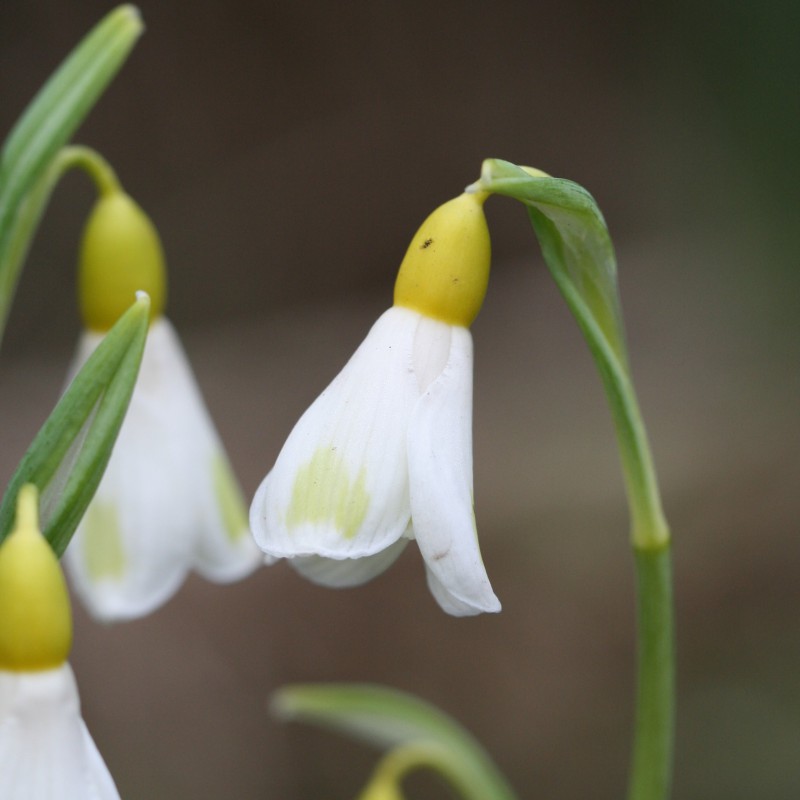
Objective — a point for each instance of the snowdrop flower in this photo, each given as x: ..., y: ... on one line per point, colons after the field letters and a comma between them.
x: 384, y: 454
x: 168, y: 501
x: 46, y: 752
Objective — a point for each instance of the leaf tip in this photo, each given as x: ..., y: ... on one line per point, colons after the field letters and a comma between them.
x: 282, y: 704
x: 130, y: 15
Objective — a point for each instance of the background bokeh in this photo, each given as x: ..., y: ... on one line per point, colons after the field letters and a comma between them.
x: 287, y: 152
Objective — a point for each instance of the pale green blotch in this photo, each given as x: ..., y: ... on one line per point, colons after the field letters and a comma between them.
x: 229, y: 497
x: 103, y: 550
x: 324, y: 493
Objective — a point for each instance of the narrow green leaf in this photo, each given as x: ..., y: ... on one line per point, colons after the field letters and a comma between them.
x: 69, y: 454
x: 389, y: 719
x: 51, y: 119
x: 65, y: 99
x: 577, y: 248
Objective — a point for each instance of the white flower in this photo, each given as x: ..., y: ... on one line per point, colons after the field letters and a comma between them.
x: 46, y: 752
x: 168, y: 501
x: 385, y: 453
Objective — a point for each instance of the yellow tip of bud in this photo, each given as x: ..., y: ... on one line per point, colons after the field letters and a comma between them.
x: 120, y: 254
x: 445, y: 271
x: 35, y: 618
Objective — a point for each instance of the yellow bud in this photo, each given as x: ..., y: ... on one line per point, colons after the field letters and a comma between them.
x: 120, y: 254
x: 35, y: 618
x: 445, y: 271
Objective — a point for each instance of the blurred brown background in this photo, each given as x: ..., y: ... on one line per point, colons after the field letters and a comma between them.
x: 287, y: 152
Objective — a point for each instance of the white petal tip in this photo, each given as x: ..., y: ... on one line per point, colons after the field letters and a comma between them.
x: 458, y: 608
x: 482, y: 600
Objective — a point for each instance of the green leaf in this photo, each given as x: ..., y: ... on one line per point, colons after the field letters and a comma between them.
x: 390, y: 719
x: 577, y: 248
x: 51, y: 119
x: 69, y: 454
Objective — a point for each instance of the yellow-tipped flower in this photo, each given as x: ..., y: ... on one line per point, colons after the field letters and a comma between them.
x: 168, y: 501
x: 384, y: 455
x: 46, y: 751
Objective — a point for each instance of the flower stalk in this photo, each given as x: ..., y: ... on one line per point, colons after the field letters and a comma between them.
x: 651, y: 764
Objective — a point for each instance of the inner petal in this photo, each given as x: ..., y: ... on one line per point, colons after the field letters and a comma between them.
x: 431, y: 350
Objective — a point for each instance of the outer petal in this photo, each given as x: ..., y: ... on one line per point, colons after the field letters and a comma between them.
x: 157, y: 508
x: 339, y: 488
x: 440, y: 483
x: 222, y: 548
x: 46, y: 753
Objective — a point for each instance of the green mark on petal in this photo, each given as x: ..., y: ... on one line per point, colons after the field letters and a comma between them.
x: 230, y: 499
x: 324, y: 493
x: 103, y: 551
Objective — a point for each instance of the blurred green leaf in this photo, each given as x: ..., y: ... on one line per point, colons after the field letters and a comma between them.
x: 577, y: 248
x: 48, y: 123
x: 69, y: 454
x: 389, y: 719
x: 19, y: 235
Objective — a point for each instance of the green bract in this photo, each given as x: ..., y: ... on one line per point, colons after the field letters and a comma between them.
x: 577, y: 248
x: 391, y: 719
x: 70, y: 452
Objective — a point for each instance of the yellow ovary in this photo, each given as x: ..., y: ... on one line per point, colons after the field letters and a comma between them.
x: 445, y: 271
x: 120, y: 255
x: 35, y: 617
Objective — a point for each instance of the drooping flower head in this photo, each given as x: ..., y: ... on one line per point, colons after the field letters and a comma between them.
x: 168, y: 501
x: 384, y: 454
x: 46, y: 752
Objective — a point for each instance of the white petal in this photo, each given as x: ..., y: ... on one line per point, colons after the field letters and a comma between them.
x: 222, y: 546
x: 440, y: 484
x: 339, y: 488
x: 225, y: 549
x: 346, y: 572
x: 46, y: 753
x: 158, y: 509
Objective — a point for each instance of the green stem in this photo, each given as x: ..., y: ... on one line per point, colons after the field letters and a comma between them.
x: 15, y: 245
x: 94, y: 165
x: 651, y: 765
